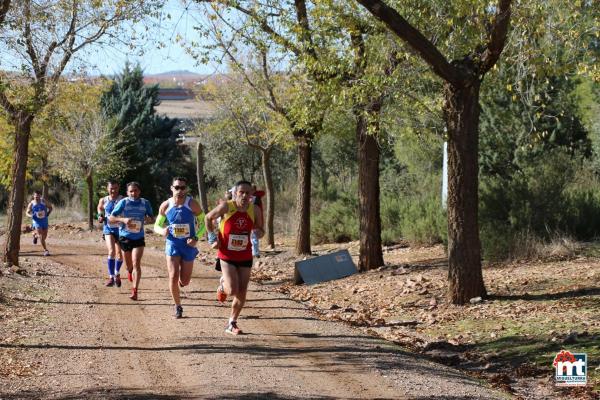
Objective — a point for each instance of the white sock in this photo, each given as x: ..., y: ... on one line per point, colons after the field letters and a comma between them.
x: 231, y: 320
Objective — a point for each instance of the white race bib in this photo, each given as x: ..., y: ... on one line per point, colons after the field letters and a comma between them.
x: 237, y: 242
x: 134, y: 226
x: 180, y: 231
x: 40, y: 214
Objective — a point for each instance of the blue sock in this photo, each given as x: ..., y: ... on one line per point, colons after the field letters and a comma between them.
x: 111, y: 266
x: 118, y: 266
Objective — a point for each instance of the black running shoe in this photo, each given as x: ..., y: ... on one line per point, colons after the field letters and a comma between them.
x: 178, y: 312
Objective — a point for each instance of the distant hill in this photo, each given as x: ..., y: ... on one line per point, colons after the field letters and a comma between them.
x: 175, y: 78
x: 177, y: 74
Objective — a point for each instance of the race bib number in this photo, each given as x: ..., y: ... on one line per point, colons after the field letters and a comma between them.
x: 237, y: 242
x: 134, y: 226
x: 180, y: 231
x: 40, y: 214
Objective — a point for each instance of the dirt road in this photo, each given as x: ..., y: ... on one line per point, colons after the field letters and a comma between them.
x: 93, y: 342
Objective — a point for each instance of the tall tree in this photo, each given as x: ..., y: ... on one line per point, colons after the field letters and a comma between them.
x: 253, y: 123
x: 83, y: 141
x: 150, y: 142
x: 463, y: 77
x: 304, y: 31
x: 44, y: 37
x: 286, y: 27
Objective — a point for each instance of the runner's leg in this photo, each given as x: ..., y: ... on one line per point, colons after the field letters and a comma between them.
x: 230, y: 278
x: 173, y: 267
x: 239, y: 299
x: 42, y: 234
x: 109, y: 240
x: 119, y: 257
x: 128, y: 260
x: 185, y: 272
x: 138, y: 252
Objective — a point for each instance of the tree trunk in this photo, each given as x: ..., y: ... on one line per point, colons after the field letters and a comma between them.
x: 303, y: 199
x: 200, y: 177
x: 44, y: 178
x: 461, y: 110
x: 89, y: 180
x: 17, y: 189
x: 269, y: 213
x: 370, y: 253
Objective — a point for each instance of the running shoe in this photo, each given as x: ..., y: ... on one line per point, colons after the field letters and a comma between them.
x: 129, y: 276
x: 133, y: 294
x: 34, y: 239
x: 118, y: 280
x: 46, y: 253
x: 110, y: 282
x: 233, y: 329
x: 178, y: 312
x: 221, y: 295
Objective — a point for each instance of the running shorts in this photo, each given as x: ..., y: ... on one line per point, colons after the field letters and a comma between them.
x: 130, y: 244
x: 183, y: 250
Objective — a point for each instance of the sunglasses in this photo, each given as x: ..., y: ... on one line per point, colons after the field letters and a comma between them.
x: 176, y: 187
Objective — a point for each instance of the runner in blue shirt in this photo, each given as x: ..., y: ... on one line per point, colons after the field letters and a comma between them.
x: 181, y: 220
x: 131, y: 212
x: 39, y: 210
x: 110, y: 233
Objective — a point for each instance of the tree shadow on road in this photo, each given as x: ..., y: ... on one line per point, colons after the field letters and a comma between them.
x: 112, y: 394
x: 337, y: 354
x: 589, y: 291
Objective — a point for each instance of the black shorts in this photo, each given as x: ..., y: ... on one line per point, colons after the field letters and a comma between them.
x: 237, y: 264
x: 129, y: 244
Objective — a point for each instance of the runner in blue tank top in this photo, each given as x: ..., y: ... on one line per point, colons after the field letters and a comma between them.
x: 39, y: 210
x: 131, y: 212
x: 180, y: 213
x: 110, y: 233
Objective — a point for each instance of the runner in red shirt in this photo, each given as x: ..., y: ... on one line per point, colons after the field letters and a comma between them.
x: 239, y: 218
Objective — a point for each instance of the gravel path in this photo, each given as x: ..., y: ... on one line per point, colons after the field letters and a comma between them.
x: 93, y: 342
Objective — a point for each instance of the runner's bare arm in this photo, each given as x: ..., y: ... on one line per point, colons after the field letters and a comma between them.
x: 195, y: 206
x: 159, y: 225
x: 100, y: 210
x: 201, y: 225
x: 213, y: 214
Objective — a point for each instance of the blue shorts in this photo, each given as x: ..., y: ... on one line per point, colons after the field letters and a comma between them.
x: 39, y: 225
x: 183, y: 250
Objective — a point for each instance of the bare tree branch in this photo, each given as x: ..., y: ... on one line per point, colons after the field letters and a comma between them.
x: 262, y: 23
x: 414, y: 38
x: 497, y: 38
x: 28, y: 39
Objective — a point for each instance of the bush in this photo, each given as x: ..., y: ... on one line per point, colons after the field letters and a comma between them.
x: 336, y: 222
x: 550, y: 197
x: 418, y: 219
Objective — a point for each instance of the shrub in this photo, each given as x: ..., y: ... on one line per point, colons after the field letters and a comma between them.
x: 336, y: 222
x: 549, y: 197
x: 419, y: 219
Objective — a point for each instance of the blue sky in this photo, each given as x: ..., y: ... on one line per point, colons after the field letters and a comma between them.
x: 109, y: 60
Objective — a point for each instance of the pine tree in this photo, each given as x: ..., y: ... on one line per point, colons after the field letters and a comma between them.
x: 153, y: 154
